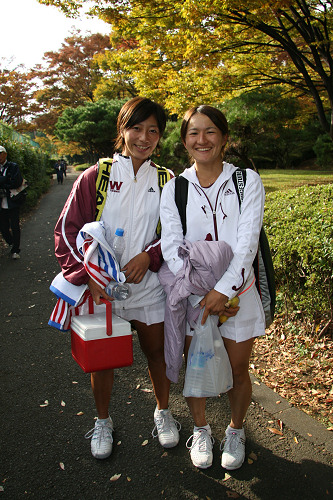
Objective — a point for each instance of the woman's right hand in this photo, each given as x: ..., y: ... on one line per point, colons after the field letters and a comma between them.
x: 214, y: 303
x: 97, y: 292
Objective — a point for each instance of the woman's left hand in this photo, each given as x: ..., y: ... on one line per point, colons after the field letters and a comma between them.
x: 136, y: 268
x: 214, y: 303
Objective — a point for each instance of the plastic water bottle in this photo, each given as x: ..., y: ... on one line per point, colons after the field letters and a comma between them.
x: 119, y: 291
x: 118, y: 244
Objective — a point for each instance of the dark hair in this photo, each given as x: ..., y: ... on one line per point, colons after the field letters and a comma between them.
x: 214, y: 114
x: 135, y: 111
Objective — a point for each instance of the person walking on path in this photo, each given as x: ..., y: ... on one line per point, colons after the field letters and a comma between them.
x: 213, y: 213
x: 10, y: 179
x: 59, y: 171
x: 132, y: 203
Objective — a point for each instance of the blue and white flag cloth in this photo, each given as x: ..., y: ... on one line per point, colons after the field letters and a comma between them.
x: 100, y: 263
x: 99, y: 259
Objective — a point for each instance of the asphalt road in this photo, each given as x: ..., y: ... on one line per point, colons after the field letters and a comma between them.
x: 46, y: 407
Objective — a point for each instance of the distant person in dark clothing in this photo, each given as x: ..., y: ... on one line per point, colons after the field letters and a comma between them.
x: 59, y: 172
x: 63, y: 164
x: 10, y: 179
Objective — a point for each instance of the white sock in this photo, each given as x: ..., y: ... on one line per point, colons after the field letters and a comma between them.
x: 231, y: 429
x: 104, y: 420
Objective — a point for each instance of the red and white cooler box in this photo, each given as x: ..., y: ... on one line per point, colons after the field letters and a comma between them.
x: 101, y: 341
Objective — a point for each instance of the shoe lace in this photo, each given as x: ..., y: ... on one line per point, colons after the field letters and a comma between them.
x: 202, y: 437
x: 163, y: 423
x: 100, y: 432
x: 231, y: 442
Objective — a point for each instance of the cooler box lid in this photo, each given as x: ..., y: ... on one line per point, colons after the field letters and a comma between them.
x: 93, y: 326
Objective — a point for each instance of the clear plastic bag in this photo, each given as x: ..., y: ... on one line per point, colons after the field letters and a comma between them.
x: 208, y: 371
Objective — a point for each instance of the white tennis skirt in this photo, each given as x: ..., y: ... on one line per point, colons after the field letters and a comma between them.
x: 147, y: 314
x: 249, y: 322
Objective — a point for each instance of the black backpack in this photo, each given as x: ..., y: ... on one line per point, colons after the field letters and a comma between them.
x: 262, y: 264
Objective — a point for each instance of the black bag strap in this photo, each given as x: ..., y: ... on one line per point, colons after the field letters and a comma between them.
x: 181, y: 192
x: 239, y: 180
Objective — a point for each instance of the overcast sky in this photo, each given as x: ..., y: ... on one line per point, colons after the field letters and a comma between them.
x: 28, y: 29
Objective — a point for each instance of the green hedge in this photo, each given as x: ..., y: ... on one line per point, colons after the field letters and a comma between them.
x: 299, y: 224
x: 35, y: 166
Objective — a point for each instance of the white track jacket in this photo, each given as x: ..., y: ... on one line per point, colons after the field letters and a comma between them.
x: 218, y: 219
x: 132, y: 203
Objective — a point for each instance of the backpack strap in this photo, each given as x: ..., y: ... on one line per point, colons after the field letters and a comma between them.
x: 102, y: 182
x: 181, y: 193
x: 163, y: 176
x: 239, y: 180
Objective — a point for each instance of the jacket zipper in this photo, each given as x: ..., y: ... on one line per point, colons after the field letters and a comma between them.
x: 213, y: 209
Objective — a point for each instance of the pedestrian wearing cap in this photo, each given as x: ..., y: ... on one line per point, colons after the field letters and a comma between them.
x: 10, y: 178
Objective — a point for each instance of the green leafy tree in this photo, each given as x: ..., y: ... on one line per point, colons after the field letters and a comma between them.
x: 92, y: 126
x: 269, y: 129
x: 191, y: 51
x: 324, y: 151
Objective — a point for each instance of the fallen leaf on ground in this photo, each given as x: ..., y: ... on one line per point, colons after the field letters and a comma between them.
x: 128, y: 479
x: 61, y: 465
x: 226, y: 477
x: 275, y: 431
x: 280, y: 424
x: 296, y: 440
x: 46, y: 403
x: 165, y: 454
x: 253, y: 456
x: 145, y: 442
x: 63, y: 403
x: 80, y: 413
x: 119, y: 443
x: 304, y: 386
x: 232, y: 494
x: 115, y: 477
x: 146, y: 390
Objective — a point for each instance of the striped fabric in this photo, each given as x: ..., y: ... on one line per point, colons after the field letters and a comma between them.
x: 101, y: 265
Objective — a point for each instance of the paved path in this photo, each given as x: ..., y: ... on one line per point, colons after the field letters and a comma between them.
x: 43, y: 453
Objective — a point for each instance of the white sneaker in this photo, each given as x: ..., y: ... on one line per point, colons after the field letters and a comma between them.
x: 233, y: 448
x: 201, y: 449
x: 101, y: 438
x: 166, y: 428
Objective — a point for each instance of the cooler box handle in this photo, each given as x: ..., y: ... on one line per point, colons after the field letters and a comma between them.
x: 108, y: 312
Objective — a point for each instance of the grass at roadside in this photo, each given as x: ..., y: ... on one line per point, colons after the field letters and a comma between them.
x: 275, y: 180
x: 281, y: 180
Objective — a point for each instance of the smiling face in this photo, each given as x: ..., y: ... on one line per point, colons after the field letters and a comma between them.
x: 140, y: 140
x: 204, y: 141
